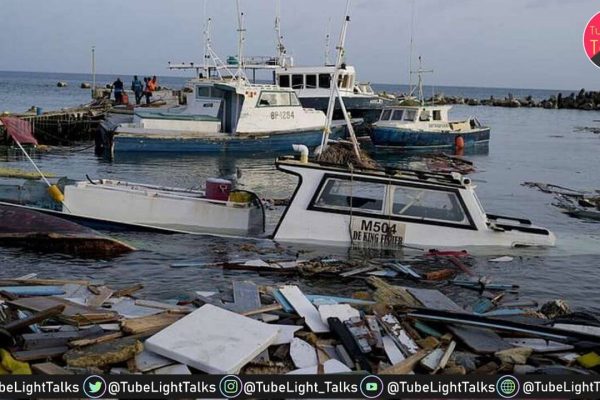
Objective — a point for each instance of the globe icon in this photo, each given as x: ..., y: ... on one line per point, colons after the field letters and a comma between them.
x: 508, y: 386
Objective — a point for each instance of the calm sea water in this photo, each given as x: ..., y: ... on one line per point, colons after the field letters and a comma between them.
x: 527, y: 145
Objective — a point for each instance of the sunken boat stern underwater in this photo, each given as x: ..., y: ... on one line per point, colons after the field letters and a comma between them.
x: 373, y: 208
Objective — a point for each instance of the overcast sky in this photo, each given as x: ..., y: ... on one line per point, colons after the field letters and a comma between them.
x: 495, y: 43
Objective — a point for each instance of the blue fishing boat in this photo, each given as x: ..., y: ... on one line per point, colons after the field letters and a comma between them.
x: 415, y: 127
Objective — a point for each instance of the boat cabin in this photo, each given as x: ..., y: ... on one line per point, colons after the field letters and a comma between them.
x: 309, y: 78
x: 393, y: 209
x: 413, y: 114
x: 230, y: 108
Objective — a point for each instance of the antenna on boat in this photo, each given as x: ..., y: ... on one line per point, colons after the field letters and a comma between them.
x: 410, y: 51
x: 419, y: 72
x: 281, y: 51
x: 240, y: 75
x: 327, y: 43
x: 335, y: 91
x: 93, y: 71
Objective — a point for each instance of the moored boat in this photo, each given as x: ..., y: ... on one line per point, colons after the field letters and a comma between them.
x: 421, y: 126
x: 392, y: 209
x: 224, y: 116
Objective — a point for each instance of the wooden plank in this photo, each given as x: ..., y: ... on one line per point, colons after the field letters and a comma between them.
x: 99, y: 298
x: 406, y: 366
x: 265, y: 309
x: 39, y: 316
x: 128, y: 291
x: 245, y: 296
x: 33, y: 341
x: 152, y: 323
x: 49, y: 368
x: 349, y: 343
x: 40, y: 354
x: 163, y: 306
x: 96, y: 340
x: 434, y: 299
x: 304, y: 308
x: 73, y: 313
x: 358, y: 271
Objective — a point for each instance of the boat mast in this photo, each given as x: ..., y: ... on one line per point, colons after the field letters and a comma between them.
x: 281, y: 51
x: 335, y: 91
x: 327, y: 43
x: 410, y: 51
x: 93, y: 71
x: 419, y: 72
x: 240, y: 74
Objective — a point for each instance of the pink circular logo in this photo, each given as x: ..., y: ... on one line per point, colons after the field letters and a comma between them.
x: 591, y: 39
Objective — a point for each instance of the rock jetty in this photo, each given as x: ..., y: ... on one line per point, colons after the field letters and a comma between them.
x: 583, y: 100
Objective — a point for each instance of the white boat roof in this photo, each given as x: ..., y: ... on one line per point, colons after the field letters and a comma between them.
x: 454, y: 180
x: 314, y: 70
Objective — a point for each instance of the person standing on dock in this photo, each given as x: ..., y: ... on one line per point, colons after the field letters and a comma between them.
x: 138, y: 88
x: 148, y: 89
x: 118, y: 86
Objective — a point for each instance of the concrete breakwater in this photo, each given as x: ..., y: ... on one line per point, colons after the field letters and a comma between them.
x: 583, y: 100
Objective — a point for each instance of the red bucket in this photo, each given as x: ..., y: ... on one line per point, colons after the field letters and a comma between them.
x: 218, y: 189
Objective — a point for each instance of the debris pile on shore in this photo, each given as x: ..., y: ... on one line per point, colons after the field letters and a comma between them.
x: 77, y: 326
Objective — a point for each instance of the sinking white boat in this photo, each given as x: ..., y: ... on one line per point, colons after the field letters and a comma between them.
x: 215, y: 211
x: 334, y: 205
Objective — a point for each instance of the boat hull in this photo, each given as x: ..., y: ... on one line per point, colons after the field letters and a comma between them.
x: 23, y: 227
x: 386, y: 137
x: 279, y: 142
x: 364, y: 107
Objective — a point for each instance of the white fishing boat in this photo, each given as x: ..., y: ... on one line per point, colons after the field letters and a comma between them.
x: 313, y: 86
x: 392, y: 209
x: 224, y: 113
x: 228, y: 115
x: 118, y: 205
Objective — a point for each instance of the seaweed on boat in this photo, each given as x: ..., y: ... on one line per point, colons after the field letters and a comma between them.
x: 342, y: 153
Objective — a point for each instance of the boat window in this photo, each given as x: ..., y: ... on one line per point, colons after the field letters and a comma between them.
x: 428, y: 204
x: 385, y: 115
x: 410, y: 115
x: 294, y: 99
x: 284, y: 80
x: 341, y: 194
x: 274, y: 99
x: 324, y: 81
x: 424, y: 115
x: 202, y: 91
x: 311, y: 81
x: 437, y: 115
x: 398, y: 115
x: 297, y: 81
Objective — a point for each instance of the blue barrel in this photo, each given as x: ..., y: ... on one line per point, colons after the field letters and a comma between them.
x: 39, y: 110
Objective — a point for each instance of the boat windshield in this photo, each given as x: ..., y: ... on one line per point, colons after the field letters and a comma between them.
x: 385, y: 115
x: 342, y: 194
x: 427, y: 204
x: 410, y: 115
x: 397, y: 115
x: 278, y: 99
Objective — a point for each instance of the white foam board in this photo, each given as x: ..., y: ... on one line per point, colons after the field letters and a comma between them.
x: 213, y: 340
x: 304, y: 308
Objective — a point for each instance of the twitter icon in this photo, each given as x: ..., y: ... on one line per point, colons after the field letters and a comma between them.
x: 94, y: 386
